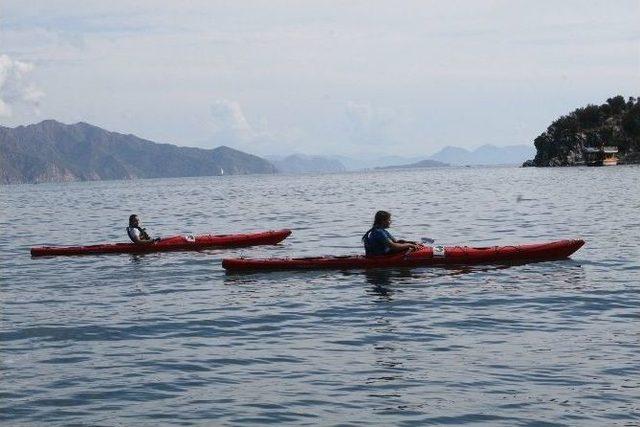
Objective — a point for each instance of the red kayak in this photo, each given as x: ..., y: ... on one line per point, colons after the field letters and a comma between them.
x: 173, y: 243
x: 424, y: 257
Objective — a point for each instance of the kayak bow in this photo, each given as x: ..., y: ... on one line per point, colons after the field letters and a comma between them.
x: 173, y: 243
x: 423, y: 257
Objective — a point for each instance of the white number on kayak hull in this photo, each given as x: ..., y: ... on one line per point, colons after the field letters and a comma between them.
x: 438, y: 251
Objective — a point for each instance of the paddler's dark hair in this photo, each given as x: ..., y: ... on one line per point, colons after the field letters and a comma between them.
x: 377, y: 221
x: 131, y: 218
x: 381, y: 216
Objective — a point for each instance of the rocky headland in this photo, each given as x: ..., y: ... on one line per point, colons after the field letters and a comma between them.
x: 614, y: 123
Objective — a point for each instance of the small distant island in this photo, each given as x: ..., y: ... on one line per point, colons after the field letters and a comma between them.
x: 595, y: 134
x: 417, y: 165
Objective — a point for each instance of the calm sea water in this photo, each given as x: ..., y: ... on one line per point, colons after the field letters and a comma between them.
x: 171, y: 339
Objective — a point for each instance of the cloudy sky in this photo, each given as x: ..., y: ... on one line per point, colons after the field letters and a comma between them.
x: 316, y: 77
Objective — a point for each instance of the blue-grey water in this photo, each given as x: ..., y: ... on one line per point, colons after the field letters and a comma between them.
x: 171, y: 339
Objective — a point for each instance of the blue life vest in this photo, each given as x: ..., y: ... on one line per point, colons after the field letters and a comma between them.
x: 376, y: 241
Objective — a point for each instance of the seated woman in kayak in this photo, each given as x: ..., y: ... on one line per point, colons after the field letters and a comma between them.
x: 136, y: 233
x: 378, y: 241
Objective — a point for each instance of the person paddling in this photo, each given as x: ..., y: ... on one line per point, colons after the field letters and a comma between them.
x: 378, y: 241
x: 136, y: 233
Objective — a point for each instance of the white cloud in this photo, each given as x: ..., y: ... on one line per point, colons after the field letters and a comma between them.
x: 229, y: 117
x: 231, y: 127
x: 15, y: 89
x: 376, y: 126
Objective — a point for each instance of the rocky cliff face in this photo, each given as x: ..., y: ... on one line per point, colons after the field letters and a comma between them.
x: 52, y: 151
x: 617, y: 122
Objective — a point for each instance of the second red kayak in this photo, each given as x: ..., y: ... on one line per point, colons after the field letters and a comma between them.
x: 426, y: 256
x: 173, y: 243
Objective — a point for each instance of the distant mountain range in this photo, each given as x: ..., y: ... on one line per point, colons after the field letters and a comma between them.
x: 456, y: 156
x: 421, y: 164
x: 53, y: 151
x: 371, y: 162
x: 302, y: 163
x: 485, y: 155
